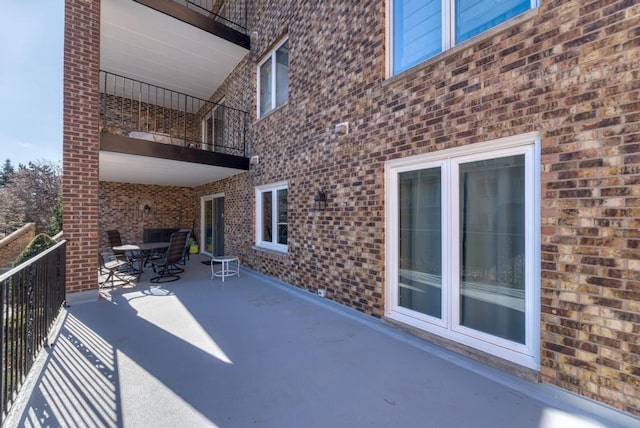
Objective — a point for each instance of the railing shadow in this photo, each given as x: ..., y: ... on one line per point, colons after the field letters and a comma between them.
x: 78, y: 385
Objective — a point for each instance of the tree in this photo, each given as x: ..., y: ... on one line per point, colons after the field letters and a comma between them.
x: 55, y: 224
x: 31, y: 195
x: 5, y: 173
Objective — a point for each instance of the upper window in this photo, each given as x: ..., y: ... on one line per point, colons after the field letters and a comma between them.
x: 424, y: 28
x: 273, y: 79
x: 272, y: 227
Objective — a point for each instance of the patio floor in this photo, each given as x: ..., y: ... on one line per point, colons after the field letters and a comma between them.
x: 255, y: 352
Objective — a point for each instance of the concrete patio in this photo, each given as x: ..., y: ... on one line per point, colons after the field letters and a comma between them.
x: 255, y: 352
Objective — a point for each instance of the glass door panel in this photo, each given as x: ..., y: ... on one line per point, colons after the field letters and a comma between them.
x: 420, y: 241
x: 492, y: 247
x: 207, y: 245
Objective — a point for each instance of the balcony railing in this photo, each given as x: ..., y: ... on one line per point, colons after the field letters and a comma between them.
x: 31, y: 297
x: 140, y: 110
x: 232, y: 13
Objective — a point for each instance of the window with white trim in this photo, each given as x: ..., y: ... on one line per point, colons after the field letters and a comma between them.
x: 272, y: 227
x: 273, y: 79
x: 463, y: 250
x: 422, y: 29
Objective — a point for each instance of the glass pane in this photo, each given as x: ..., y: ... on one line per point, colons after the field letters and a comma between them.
x: 282, y: 74
x: 420, y: 246
x: 417, y: 32
x: 282, y: 217
x: 208, y: 226
x: 475, y: 16
x: 267, y: 216
x: 265, y: 87
x: 492, y: 271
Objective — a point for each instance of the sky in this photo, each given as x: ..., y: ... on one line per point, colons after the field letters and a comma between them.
x: 31, y: 50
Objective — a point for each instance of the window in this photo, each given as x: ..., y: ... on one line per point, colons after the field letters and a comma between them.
x: 272, y: 216
x: 462, y: 253
x: 273, y: 79
x: 424, y: 28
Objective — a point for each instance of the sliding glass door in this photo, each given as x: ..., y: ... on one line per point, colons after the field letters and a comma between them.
x: 212, y: 225
x: 461, y: 249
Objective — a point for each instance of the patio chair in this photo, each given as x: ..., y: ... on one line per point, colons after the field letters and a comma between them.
x: 185, y: 255
x: 114, y: 267
x: 115, y: 241
x: 167, y: 266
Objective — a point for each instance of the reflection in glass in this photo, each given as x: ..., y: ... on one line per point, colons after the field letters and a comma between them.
x: 417, y: 32
x: 282, y: 74
x: 282, y: 217
x: 267, y: 216
x: 265, y: 87
x: 420, y: 246
x: 492, y: 243
x: 475, y: 16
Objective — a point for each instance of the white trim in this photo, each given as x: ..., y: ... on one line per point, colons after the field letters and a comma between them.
x: 271, y: 54
x: 448, y: 326
x: 204, y: 199
x: 259, y: 190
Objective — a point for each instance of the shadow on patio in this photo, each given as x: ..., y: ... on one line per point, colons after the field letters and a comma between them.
x: 255, y: 352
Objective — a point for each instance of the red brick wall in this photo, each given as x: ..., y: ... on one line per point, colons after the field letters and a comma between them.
x: 171, y: 207
x: 81, y: 141
x: 568, y: 70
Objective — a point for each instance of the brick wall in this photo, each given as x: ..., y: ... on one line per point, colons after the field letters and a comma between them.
x: 171, y: 207
x: 568, y: 70
x: 81, y: 141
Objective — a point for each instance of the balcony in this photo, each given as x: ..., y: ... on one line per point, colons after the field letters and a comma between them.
x: 153, y: 135
x: 255, y: 352
x: 183, y: 50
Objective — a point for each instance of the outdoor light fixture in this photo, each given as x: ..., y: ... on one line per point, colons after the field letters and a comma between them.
x: 320, y: 201
x: 145, y: 207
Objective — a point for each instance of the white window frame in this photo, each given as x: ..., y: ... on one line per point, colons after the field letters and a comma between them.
x: 448, y: 326
x: 274, y: 79
x: 448, y: 31
x: 273, y: 245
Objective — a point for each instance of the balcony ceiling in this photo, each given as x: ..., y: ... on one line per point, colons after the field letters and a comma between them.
x: 125, y: 168
x: 143, y: 44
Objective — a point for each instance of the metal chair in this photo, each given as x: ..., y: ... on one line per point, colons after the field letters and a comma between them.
x: 115, y: 241
x: 174, y: 254
x: 185, y: 255
x: 114, y: 267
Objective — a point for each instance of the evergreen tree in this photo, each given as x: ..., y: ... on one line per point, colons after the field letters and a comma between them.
x: 5, y: 173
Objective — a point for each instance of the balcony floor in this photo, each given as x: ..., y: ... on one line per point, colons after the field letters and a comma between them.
x: 255, y: 352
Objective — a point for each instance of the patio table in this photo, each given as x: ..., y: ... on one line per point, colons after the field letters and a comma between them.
x: 225, y: 271
x: 144, y: 249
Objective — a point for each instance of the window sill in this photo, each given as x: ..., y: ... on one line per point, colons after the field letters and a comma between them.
x: 270, y: 112
x: 270, y: 251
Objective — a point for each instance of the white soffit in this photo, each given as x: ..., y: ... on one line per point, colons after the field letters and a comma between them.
x: 124, y: 168
x: 144, y: 44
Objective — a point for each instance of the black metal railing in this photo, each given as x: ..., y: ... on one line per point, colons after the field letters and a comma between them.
x: 140, y: 110
x: 232, y: 13
x: 32, y: 296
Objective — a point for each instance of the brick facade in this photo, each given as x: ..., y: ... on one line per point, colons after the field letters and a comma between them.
x: 568, y: 70
x: 171, y: 207
x: 81, y: 141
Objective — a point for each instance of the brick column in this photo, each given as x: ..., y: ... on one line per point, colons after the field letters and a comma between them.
x: 81, y: 141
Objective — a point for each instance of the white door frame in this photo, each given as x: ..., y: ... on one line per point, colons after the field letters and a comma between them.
x: 203, y: 200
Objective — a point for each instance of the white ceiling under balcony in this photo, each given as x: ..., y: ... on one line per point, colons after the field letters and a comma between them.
x: 143, y: 44
x: 126, y: 168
